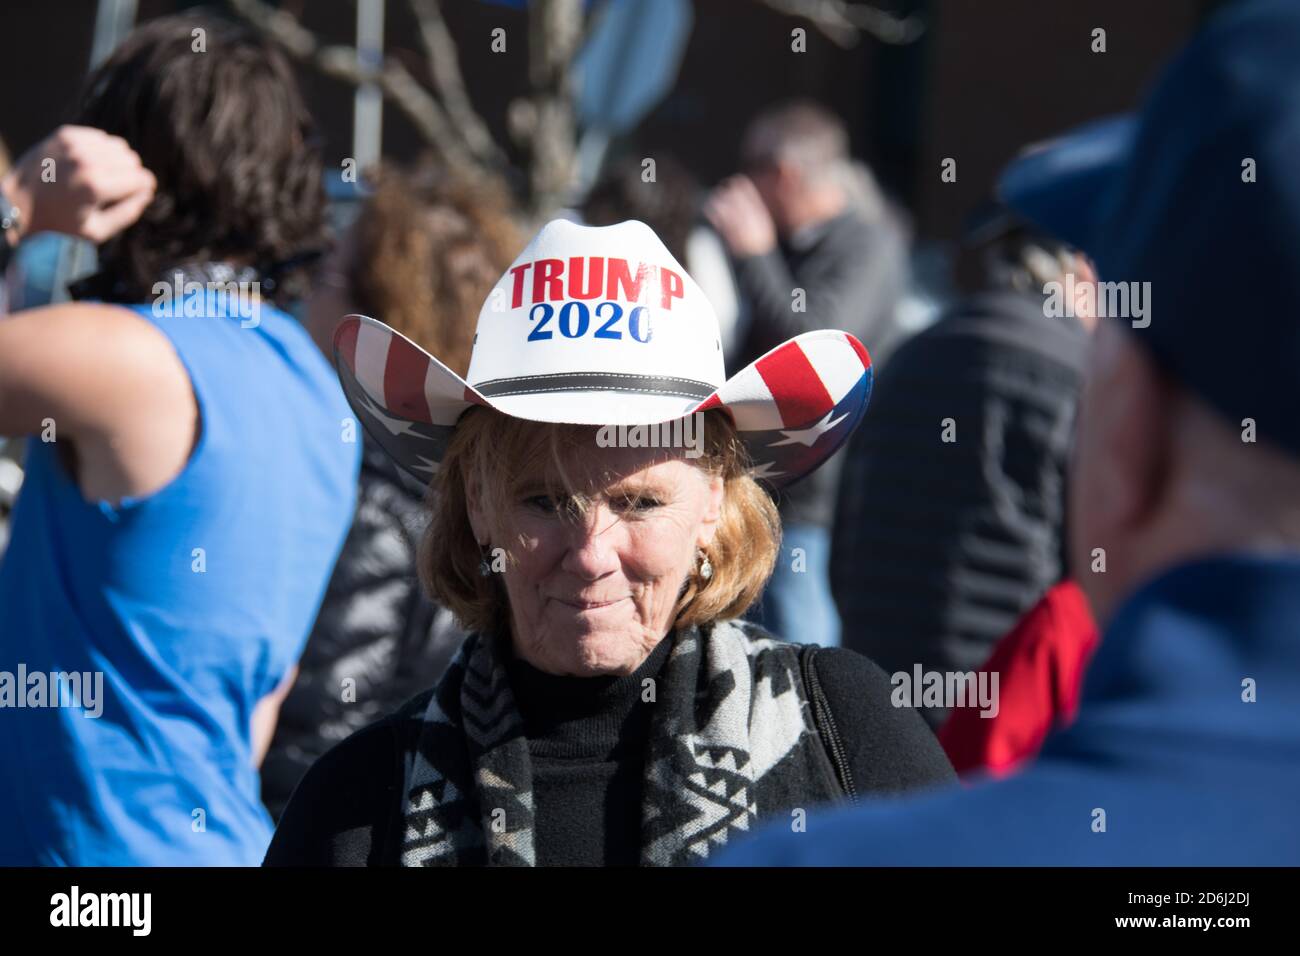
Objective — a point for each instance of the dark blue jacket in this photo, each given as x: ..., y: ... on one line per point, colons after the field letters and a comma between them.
x: 1186, y: 771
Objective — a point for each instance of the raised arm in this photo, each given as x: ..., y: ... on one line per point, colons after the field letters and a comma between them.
x: 78, y: 181
x: 105, y: 380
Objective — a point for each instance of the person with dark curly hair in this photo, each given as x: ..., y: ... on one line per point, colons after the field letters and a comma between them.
x: 225, y: 131
x: 191, y: 461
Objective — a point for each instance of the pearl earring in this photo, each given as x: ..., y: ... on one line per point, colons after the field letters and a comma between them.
x: 706, y: 566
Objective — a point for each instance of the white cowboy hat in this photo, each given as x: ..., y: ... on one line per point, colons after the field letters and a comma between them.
x: 602, y: 326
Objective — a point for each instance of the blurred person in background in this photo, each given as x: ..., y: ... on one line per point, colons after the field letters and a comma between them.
x: 424, y: 253
x: 1184, y: 504
x: 806, y: 257
x: 188, y: 485
x: 1040, y: 665
x: 952, y: 499
x: 667, y: 198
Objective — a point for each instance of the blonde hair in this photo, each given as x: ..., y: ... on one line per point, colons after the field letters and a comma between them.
x: 502, y: 454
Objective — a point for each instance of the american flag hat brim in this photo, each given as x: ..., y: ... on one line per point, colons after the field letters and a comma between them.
x: 793, y: 408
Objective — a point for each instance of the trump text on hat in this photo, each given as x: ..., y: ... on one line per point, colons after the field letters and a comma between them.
x: 593, y: 277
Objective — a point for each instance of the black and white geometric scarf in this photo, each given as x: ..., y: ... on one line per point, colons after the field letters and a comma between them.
x: 732, y: 741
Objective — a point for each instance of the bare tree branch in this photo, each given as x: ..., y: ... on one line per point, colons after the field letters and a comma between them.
x: 444, y: 65
x: 842, y: 23
x: 343, y: 63
x: 555, y: 29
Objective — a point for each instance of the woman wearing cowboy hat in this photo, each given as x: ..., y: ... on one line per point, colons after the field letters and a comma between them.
x: 609, y: 708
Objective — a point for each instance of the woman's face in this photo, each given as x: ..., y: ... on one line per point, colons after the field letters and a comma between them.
x: 594, y: 594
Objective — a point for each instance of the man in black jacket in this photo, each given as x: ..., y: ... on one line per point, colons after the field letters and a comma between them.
x: 815, y: 248
x: 952, y: 503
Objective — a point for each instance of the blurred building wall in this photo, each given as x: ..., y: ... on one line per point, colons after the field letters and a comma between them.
x: 1012, y: 71
x: 987, y: 77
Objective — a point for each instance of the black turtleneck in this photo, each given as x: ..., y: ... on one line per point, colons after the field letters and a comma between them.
x: 586, y: 738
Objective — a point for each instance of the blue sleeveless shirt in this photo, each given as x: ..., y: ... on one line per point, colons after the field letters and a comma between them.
x: 175, y: 612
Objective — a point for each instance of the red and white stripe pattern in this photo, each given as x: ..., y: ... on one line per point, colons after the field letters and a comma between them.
x: 798, y: 403
x: 399, y: 376
x: 793, y: 407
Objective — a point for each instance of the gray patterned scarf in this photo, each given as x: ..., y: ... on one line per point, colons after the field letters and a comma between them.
x: 732, y: 741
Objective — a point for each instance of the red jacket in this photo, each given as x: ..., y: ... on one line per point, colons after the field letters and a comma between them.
x: 1040, y: 667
